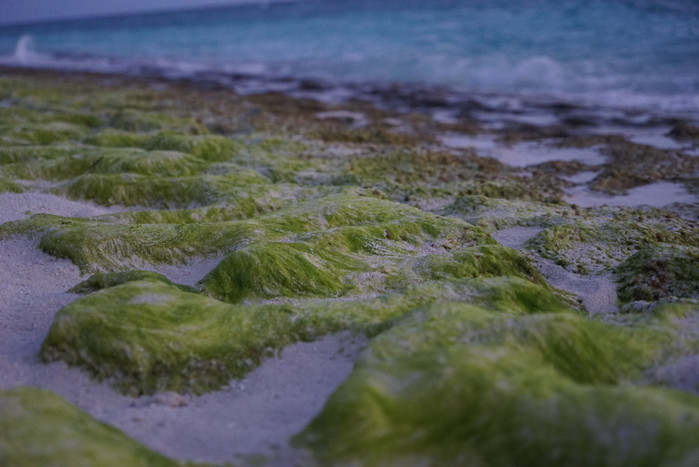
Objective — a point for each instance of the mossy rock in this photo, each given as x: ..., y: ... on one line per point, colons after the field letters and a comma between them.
x: 341, y: 225
x: 272, y: 269
x: 117, y: 139
x: 211, y: 148
x: 48, y: 133
x: 110, y: 161
x: 38, y: 427
x: 329, y: 263
x: 457, y: 385
x: 684, y: 131
x: 478, y: 261
x: 95, y: 245
x: 133, y: 190
x: 104, y: 280
x: 30, y: 154
x: 152, y: 336
x: 660, y: 272
x: 147, y: 335
x: 632, y: 165
x: 600, y: 239
x: 133, y: 120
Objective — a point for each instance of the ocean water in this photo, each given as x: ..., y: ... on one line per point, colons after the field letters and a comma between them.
x: 626, y: 53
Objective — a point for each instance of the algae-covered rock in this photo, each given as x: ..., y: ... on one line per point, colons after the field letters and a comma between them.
x: 456, y: 385
x: 634, y: 165
x: 24, y: 153
x: 38, y: 428
x: 207, y: 147
x: 117, y: 138
x: 344, y: 230
x: 478, y: 261
x: 102, y: 280
x: 147, y: 335
x: 93, y: 245
x: 276, y: 270
x: 684, y: 131
x: 48, y: 133
x: 661, y: 272
x: 132, y: 189
x: 602, y: 238
x: 331, y: 262
x: 132, y: 117
x: 110, y: 161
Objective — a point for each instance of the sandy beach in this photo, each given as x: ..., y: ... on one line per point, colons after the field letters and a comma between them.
x: 317, y: 269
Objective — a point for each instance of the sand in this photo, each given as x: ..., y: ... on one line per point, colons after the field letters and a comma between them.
x: 15, y: 206
x: 255, y: 416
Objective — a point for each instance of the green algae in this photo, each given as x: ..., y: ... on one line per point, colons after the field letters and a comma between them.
x: 39, y: 428
x: 152, y: 336
x: 330, y: 262
x: 457, y: 385
x: 258, y: 202
x: 12, y: 117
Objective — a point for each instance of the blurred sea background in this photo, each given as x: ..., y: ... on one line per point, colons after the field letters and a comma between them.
x: 624, y: 53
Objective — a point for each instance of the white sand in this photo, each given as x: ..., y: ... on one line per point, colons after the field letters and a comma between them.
x: 598, y: 293
x: 254, y: 416
x: 15, y: 206
x: 515, y: 237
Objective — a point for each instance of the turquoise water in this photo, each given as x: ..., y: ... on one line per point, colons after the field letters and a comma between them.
x: 631, y: 53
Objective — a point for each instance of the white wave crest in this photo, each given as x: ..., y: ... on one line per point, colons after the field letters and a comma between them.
x: 25, y: 50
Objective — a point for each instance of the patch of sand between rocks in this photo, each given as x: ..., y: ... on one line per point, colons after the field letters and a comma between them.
x: 598, y: 293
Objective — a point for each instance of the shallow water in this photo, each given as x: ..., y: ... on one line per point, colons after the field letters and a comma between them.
x: 659, y: 194
x: 523, y: 154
